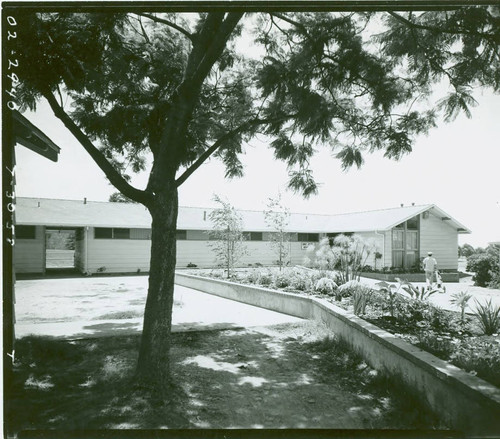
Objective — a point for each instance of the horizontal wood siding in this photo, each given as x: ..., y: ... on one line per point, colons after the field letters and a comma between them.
x: 129, y: 255
x: 202, y: 255
x: 441, y: 238
x: 260, y: 252
x: 29, y: 254
x: 117, y: 255
x: 298, y: 255
x: 195, y: 252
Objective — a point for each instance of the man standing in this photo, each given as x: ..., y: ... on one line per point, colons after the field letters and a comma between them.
x: 430, y: 267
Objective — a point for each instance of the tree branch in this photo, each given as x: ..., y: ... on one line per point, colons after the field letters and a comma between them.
x: 216, y: 47
x: 111, y: 173
x: 435, y: 29
x: 289, y: 20
x: 169, y: 23
x: 208, y: 152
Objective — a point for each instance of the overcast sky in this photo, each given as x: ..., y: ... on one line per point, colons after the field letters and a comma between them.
x: 455, y: 167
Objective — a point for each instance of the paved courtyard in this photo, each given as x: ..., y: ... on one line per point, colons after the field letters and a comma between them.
x: 91, y: 307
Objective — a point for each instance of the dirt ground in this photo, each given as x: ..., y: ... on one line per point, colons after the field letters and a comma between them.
x: 281, y: 376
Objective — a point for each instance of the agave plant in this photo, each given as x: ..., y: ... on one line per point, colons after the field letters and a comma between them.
x: 488, y: 316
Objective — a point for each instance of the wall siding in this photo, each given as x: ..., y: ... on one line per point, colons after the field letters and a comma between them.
x: 441, y: 238
x: 29, y: 254
x: 131, y: 255
x: 117, y: 255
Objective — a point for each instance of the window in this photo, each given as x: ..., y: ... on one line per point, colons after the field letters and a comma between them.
x: 412, y: 223
x: 398, y: 248
x: 405, y: 246
x: 110, y: 233
x: 253, y: 236
x: 121, y: 233
x: 25, y: 232
x: 143, y: 234
x: 309, y: 237
x: 181, y: 235
x: 103, y: 233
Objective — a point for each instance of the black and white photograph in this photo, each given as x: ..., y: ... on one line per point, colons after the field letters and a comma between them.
x: 251, y: 219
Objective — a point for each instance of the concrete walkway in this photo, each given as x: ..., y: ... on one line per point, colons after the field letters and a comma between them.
x: 95, y: 307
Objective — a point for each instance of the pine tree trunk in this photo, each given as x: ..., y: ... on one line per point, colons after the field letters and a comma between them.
x: 153, y: 366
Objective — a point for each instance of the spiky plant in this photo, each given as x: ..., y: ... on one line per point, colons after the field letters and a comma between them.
x: 460, y: 300
x: 488, y: 316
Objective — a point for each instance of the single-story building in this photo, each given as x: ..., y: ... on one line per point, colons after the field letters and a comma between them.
x: 116, y: 237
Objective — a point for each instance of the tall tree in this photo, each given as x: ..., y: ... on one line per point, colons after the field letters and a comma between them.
x: 176, y: 87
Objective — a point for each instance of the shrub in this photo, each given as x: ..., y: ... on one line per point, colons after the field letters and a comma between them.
x: 348, y: 288
x: 282, y: 280
x: 488, y: 316
x: 438, y: 318
x: 437, y: 345
x: 253, y: 277
x: 485, y: 266
x: 413, y: 312
x: 410, y: 311
x: 265, y: 279
x: 390, y: 292
x: 495, y: 281
x: 300, y: 282
x: 216, y: 274
x: 479, y: 356
x: 325, y: 285
x: 360, y: 298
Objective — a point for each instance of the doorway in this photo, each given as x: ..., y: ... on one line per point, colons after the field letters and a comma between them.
x: 59, y: 249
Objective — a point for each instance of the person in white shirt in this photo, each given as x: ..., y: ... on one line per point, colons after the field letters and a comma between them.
x: 430, y: 267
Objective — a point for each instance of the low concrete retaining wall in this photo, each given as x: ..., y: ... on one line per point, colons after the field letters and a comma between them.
x: 463, y: 401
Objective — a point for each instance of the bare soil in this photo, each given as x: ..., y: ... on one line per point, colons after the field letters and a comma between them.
x: 283, y: 376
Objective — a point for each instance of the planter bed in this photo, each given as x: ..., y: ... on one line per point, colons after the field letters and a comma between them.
x: 458, y: 396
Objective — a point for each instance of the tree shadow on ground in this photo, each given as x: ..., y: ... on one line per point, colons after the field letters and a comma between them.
x: 274, y: 377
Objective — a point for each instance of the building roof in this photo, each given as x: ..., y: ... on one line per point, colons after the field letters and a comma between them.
x: 28, y: 135
x: 72, y: 213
